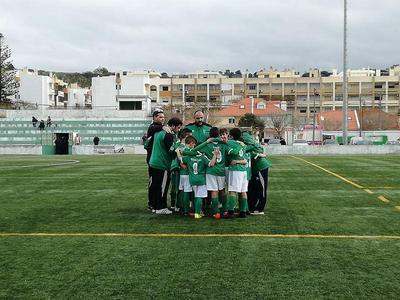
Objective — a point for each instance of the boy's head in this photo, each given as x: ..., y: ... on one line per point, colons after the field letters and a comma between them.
x: 214, y: 133
x: 235, y: 133
x: 223, y: 133
x: 175, y: 124
x: 185, y: 132
x: 190, y: 142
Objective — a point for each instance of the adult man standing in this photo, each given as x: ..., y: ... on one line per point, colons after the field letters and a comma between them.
x: 200, y: 129
x: 160, y: 165
x: 156, y: 126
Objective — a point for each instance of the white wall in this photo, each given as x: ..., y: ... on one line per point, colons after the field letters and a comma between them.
x: 35, y: 89
x: 104, y: 92
x: 76, y: 96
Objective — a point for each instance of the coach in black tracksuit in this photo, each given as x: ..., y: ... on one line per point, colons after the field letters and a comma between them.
x: 160, y: 166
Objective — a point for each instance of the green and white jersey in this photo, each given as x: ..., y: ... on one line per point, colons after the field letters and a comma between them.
x: 219, y: 167
x: 161, y: 156
x: 236, y: 152
x: 200, y: 133
x: 197, y: 168
x: 247, y: 156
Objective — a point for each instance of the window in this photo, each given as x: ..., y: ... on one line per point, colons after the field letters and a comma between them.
x: 303, y: 110
x: 118, y: 87
x: 165, y: 88
x: 153, y: 88
x: 378, y: 86
x: 130, y: 105
x: 231, y: 120
x: 260, y: 105
x: 252, y: 86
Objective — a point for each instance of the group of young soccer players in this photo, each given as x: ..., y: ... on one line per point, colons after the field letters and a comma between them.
x: 227, y: 161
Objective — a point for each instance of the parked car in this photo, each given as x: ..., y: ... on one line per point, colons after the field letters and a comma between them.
x: 393, y: 142
x: 274, y: 142
x: 315, y: 143
x: 330, y: 142
x: 362, y: 142
x: 300, y: 143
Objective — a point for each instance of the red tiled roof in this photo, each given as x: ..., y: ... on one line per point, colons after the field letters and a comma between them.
x: 235, y: 109
x: 332, y: 120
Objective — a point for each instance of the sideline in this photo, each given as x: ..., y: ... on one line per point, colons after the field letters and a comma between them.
x: 68, y: 162
x: 205, y: 235
x: 330, y: 172
x: 367, y: 190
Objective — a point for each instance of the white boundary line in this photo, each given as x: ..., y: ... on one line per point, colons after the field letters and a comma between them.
x: 68, y: 162
x: 205, y: 235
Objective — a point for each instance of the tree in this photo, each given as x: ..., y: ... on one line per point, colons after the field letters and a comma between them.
x: 278, y: 122
x: 251, y: 120
x: 8, y: 83
x: 101, y: 71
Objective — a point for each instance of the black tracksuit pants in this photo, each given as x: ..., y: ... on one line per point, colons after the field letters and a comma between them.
x: 158, y: 188
x: 258, y: 191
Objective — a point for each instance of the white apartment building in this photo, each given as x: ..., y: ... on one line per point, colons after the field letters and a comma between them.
x: 35, y: 89
x: 77, y: 97
x: 123, y: 91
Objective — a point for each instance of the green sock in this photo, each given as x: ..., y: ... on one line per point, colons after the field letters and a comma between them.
x: 180, y: 199
x: 223, y: 201
x: 231, y: 202
x: 198, y: 204
x: 186, y: 202
x: 214, y: 205
x: 242, y: 204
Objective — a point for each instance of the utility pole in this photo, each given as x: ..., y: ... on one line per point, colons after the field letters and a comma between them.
x: 344, y: 107
x: 1, y: 65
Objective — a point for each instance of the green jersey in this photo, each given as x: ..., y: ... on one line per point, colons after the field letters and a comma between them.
x: 236, y: 152
x: 197, y: 168
x: 261, y: 163
x: 162, y: 155
x: 219, y: 167
x: 200, y: 133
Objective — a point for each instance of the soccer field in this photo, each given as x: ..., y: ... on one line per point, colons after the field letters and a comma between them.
x: 78, y: 227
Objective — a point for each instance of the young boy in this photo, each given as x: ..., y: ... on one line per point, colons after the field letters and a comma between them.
x: 176, y: 191
x: 197, y: 173
x: 237, y: 177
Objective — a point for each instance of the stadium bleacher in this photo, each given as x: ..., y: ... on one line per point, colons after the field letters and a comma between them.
x: 110, y: 132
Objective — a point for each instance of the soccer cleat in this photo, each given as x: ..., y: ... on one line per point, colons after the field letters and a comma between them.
x: 164, y: 211
x: 242, y: 214
x: 225, y: 214
x: 198, y: 216
x: 217, y: 216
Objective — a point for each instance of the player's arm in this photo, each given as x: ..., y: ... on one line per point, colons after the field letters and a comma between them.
x: 214, y: 158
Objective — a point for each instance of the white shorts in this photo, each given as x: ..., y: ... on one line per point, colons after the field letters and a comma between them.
x: 237, y: 181
x: 184, y: 184
x: 215, y: 183
x: 200, y: 191
x: 227, y: 175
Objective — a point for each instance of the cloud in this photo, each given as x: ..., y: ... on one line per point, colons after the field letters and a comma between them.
x: 184, y: 36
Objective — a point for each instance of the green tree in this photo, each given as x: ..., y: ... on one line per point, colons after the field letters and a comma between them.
x: 251, y: 120
x: 101, y: 71
x: 8, y: 83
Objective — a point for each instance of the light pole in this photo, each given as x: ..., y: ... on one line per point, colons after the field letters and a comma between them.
x: 313, y: 127
x: 344, y: 107
x: 1, y: 65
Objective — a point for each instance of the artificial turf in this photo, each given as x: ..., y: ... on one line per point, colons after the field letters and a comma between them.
x: 107, y: 194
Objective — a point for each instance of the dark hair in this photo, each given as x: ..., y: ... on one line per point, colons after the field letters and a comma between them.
x: 190, y: 139
x: 236, y: 133
x: 174, y: 122
x: 183, y: 133
x: 157, y: 111
x: 223, y: 130
x: 214, y: 132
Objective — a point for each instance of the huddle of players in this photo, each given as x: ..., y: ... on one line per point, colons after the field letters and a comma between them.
x: 206, y: 168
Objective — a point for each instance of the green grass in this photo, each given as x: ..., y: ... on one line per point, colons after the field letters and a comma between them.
x: 107, y: 194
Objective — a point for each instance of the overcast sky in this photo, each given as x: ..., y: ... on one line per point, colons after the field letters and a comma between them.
x: 190, y: 35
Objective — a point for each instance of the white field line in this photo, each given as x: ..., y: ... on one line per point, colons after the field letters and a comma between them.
x: 68, y: 162
x: 205, y: 235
